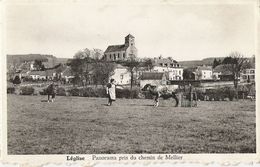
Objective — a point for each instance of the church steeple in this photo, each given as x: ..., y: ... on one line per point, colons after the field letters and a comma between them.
x: 130, y: 40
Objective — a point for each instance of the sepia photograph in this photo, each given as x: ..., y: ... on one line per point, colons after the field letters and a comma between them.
x: 119, y: 77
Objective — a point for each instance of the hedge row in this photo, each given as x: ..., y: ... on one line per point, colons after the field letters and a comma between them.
x: 219, y: 94
x: 213, y: 94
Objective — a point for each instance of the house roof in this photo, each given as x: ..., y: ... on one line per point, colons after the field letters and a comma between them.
x: 204, y: 68
x: 67, y: 72
x: 164, y: 60
x: 152, y: 76
x: 116, y: 48
x: 41, y: 73
x: 221, y: 68
x: 120, y: 66
x: 50, y: 72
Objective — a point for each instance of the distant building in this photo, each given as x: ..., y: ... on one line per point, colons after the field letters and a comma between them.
x: 38, y: 75
x: 203, y: 73
x: 221, y: 73
x: 153, y: 78
x: 121, y: 52
x: 169, y: 66
x: 247, y: 75
x: 121, y: 75
x: 67, y: 75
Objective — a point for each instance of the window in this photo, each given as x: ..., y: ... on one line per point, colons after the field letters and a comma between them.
x: 161, y: 64
x: 114, y: 56
x: 110, y: 56
x: 252, y: 71
x: 179, y: 72
x: 252, y: 77
x: 118, y: 55
x: 123, y: 55
x: 121, y: 76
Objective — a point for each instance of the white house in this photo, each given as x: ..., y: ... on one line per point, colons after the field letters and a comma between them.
x: 203, y: 73
x: 35, y: 75
x: 121, y: 75
x: 247, y: 75
x: 169, y: 66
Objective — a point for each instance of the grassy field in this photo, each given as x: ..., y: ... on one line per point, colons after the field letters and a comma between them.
x: 80, y: 125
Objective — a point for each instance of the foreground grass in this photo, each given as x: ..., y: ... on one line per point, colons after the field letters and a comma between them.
x: 78, y: 125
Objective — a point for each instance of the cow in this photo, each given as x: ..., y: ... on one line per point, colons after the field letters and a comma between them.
x: 160, y: 91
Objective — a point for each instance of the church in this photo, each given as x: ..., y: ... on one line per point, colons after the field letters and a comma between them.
x: 121, y: 52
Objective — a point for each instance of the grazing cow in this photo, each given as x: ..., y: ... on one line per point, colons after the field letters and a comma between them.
x: 160, y: 91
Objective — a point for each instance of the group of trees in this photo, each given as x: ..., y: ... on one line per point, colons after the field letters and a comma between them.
x: 89, y: 67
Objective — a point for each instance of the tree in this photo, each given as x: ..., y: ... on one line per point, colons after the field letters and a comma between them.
x: 235, y: 63
x: 132, y: 66
x: 188, y: 74
x: 216, y: 63
x: 38, y: 65
x: 97, y: 54
x: 148, y: 63
x: 102, y: 71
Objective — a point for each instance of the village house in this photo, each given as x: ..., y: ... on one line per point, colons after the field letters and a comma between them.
x: 121, y: 75
x: 203, y: 73
x: 121, y: 52
x: 38, y: 75
x: 222, y: 74
x: 247, y: 75
x: 153, y: 78
x: 50, y: 74
x: 169, y: 66
x: 67, y: 75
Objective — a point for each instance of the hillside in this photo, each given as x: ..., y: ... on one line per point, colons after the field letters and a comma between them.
x: 195, y: 63
x: 17, y: 59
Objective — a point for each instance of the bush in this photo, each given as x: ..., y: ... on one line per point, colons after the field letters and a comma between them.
x: 220, y: 94
x: 101, y: 92
x: 17, y: 80
x: 74, y: 92
x: 127, y: 93
x: 43, y: 92
x: 26, y: 90
x: 123, y: 93
x: 61, y: 91
x: 10, y: 90
x: 88, y: 92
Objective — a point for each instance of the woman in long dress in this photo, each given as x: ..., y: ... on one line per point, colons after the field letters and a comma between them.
x: 111, y: 92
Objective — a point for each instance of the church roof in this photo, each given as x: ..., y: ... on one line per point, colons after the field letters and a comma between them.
x: 116, y: 48
x: 129, y: 35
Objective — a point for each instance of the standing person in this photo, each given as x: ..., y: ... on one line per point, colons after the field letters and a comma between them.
x: 51, y: 92
x: 111, y: 92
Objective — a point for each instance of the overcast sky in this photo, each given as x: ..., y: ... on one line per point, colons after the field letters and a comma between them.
x: 183, y: 31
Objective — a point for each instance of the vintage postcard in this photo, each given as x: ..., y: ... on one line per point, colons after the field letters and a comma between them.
x: 161, y: 81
